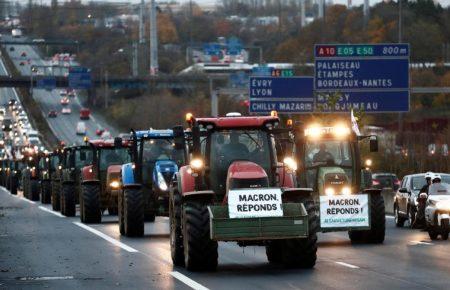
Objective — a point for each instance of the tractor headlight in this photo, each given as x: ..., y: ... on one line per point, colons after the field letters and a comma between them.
x: 162, y: 183
x: 196, y: 164
x: 346, y: 190
x: 443, y: 205
x: 290, y: 163
x: 114, y: 184
x: 59, y: 167
x: 329, y: 191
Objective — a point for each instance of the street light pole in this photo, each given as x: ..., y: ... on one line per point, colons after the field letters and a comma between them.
x: 400, y: 21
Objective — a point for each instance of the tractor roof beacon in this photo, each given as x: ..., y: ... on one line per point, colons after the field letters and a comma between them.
x: 236, y: 189
x: 331, y: 165
x: 145, y: 180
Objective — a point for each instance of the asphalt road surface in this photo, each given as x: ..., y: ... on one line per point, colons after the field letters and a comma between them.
x: 64, y: 126
x: 42, y: 249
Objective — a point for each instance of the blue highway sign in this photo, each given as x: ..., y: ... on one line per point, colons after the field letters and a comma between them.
x: 46, y: 83
x: 285, y: 95
x: 79, y: 78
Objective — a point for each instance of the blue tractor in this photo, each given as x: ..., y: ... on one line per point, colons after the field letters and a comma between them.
x: 145, y: 181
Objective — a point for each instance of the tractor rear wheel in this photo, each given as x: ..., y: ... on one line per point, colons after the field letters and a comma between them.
x: 274, y: 251
x: 133, y: 212
x: 34, y: 190
x: 120, y: 213
x: 90, y: 203
x: 200, y: 252
x: 302, y: 253
x: 56, y: 206
x: 377, y: 220
x: 176, y: 236
x: 45, y: 192
x: 68, y: 198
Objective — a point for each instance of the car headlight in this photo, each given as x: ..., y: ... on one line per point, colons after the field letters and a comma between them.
x: 290, y: 163
x: 114, y: 184
x: 443, y: 205
x: 346, y: 190
x: 196, y: 164
x: 161, y: 182
x: 329, y: 191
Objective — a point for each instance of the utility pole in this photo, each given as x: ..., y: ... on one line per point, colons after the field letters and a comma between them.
x: 134, y: 62
x: 141, y: 23
x: 302, y: 13
x: 106, y: 89
x: 321, y: 6
x: 400, y: 18
x: 153, y: 40
x: 366, y: 12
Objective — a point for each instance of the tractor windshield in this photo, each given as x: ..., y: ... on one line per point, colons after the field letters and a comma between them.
x: 233, y: 145
x: 83, y: 157
x: 113, y: 156
x: 327, y: 153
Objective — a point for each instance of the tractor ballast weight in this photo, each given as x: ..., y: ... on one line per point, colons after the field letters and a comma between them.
x: 242, y: 193
x: 100, y: 180
x: 331, y: 165
x: 145, y: 180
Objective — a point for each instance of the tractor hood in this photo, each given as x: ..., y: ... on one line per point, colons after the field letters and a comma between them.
x: 163, y: 173
x: 246, y: 174
x: 332, y: 176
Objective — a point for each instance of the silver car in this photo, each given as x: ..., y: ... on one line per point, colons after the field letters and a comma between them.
x: 437, y: 211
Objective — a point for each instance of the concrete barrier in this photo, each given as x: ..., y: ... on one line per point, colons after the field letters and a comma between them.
x: 388, y: 195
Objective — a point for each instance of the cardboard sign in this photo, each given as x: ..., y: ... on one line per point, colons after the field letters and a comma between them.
x: 341, y: 211
x: 251, y: 203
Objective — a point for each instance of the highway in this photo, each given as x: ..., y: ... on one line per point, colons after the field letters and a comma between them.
x: 42, y: 249
x: 64, y: 125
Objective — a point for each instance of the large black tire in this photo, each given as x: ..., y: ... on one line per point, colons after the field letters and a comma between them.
x: 56, y: 203
x: 90, y: 203
x: 120, y: 213
x: 68, y: 207
x: 45, y: 192
x: 399, y: 221
x: 34, y: 190
x: 433, y: 234
x: 200, y: 252
x: 274, y: 251
x: 150, y: 207
x: 133, y: 212
x: 176, y: 235
x: 411, y: 216
x: 14, y: 184
x: 302, y: 253
x: 377, y: 230
x: 445, y: 229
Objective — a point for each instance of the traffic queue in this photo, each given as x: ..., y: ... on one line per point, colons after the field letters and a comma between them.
x: 233, y: 178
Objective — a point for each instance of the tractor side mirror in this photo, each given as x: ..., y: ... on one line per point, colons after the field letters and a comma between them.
x: 118, y: 142
x: 373, y: 144
x: 178, y: 137
x: 366, y: 178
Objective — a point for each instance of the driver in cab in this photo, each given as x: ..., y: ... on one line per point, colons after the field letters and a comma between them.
x: 322, y: 156
x: 234, y: 148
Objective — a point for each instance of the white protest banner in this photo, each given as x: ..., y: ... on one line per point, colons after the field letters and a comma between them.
x: 342, y: 211
x: 250, y: 203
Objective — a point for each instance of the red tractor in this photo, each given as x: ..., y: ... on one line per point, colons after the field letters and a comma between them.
x: 236, y: 189
x: 100, y: 181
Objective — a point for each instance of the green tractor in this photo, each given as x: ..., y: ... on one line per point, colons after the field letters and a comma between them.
x: 75, y: 158
x: 331, y: 165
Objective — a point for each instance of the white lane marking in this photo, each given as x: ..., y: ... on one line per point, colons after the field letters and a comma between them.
x: 420, y: 243
x: 50, y: 211
x: 46, y: 278
x: 27, y: 200
x: 188, y: 281
x: 107, y: 238
x: 390, y: 217
x: 347, y: 265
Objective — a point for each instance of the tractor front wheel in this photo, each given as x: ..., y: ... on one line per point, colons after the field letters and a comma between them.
x: 274, y: 251
x: 377, y: 220
x: 200, y: 252
x: 302, y: 253
x: 68, y: 200
x: 90, y: 203
x: 45, y: 192
x: 56, y: 206
x: 14, y: 185
x: 176, y: 236
x: 34, y: 190
x: 133, y: 212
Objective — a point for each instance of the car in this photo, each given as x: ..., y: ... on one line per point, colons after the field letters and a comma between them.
x: 22, y: 63
x: 23, y: 54
x: 7, y: 125
x: 63, y: 93
x: 385, y: 181
x: 71, y: 93
x: 12, y: 102
x: 65, y: 101
x: 405, y: 199
x: 12, y: 48
x: 106, y: 135
x: 99, y: 132
x: 66, y: 111
x: 437, y: 211
x: 52, y: 114
x: 81, y: 128
x: 38, y: 40
x: 85, y: 114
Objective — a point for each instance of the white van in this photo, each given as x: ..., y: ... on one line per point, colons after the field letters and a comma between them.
x: 81, y: 128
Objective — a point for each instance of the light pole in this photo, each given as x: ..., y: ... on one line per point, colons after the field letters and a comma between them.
x: 400, y: 21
